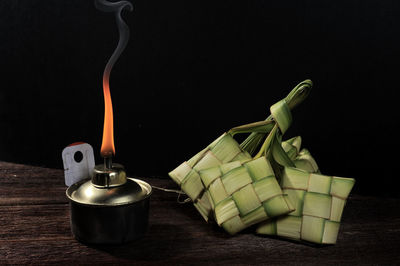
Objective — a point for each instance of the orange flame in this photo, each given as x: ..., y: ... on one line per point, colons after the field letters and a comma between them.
x: 107, y: 145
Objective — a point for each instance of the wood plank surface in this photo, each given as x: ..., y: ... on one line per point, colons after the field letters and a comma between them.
x: 34, y: 229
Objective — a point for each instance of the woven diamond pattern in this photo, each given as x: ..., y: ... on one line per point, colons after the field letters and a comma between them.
x: 223, y: 150
x: 318, y: 200
x: 243, y: 194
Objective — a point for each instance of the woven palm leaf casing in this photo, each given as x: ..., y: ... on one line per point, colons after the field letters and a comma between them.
x: 319, y: 201
x: 243, y: 194
x: 223, y: 150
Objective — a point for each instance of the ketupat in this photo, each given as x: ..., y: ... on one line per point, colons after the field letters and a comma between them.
x: 229, y: 191
x: 223, y: 150
x: 243, y: 194
x: 319, y: 201
x: 226, y: 149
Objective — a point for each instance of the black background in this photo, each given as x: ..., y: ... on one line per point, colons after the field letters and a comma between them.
x: 194, y: 69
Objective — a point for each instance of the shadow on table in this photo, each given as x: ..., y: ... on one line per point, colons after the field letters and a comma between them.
x: 161, y: 242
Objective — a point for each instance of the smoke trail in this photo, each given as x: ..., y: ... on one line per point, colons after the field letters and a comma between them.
x: 107, y: 145
x: 123, y: 29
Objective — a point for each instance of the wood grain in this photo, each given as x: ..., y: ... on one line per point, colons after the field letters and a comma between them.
x: 34, y: 229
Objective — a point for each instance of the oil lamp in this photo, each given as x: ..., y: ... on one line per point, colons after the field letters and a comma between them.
x: 110, y: 208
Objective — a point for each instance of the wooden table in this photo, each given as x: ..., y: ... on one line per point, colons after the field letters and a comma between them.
x: 34, y: 229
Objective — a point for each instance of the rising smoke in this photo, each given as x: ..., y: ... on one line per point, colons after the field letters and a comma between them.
x: 123, y: 30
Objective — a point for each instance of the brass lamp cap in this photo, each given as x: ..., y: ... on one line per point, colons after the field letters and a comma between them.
x: 105, y: 178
